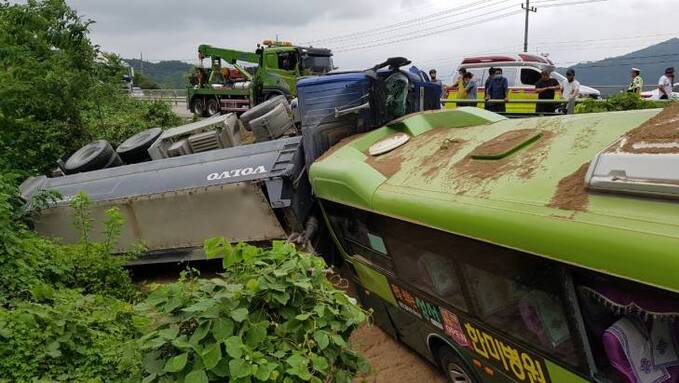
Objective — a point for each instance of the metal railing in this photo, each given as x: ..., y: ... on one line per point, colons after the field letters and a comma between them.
x: 172, y: 95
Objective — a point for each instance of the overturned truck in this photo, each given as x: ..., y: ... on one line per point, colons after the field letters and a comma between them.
x: 202, y: 179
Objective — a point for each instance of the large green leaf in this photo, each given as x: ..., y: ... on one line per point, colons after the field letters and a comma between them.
x: 234, y: 347
x: 322, y: 339
x: 256, y: 334
x: 196, y: 376
x: 239, y: 368
x: 239, y: 314
x: 176, y: 363
x: 222, y: 328
x: 200, y: 332
x: 211, y: 355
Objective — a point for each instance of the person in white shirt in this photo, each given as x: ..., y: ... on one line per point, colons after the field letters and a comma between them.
x: 665, y: 84
x: 570, y: 90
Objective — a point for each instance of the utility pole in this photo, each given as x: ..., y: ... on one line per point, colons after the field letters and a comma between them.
x: 528, y: 9
x: 141, y: 61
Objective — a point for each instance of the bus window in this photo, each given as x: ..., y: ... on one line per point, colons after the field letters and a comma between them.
x: 357, y: 232
x: 633, y: 329
x: 520, y: 295
x: 423, y: 259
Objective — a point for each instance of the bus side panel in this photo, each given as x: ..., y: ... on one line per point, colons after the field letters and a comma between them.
x: 411, y: 331
x: 379, y: 307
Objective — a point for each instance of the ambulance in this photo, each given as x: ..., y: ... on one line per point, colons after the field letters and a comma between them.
x: 522, y: 71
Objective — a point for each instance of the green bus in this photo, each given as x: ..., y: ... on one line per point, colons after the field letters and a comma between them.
x: 531, y: 250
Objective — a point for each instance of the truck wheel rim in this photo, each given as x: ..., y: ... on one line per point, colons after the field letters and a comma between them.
x: 212, y: 108
x: 458, y: 374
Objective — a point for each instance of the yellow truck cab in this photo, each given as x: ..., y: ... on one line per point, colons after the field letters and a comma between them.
x: 522, y: 71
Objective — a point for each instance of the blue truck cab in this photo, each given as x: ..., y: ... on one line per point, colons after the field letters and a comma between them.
x: 341, y: 104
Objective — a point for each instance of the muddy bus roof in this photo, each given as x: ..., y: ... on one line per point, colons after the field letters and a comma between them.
x: 572, y: 188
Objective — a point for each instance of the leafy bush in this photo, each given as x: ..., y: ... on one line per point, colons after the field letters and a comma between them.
x: 617, y: 102
x: 27, y: 261
x: 59, y: 316
x: 58, y: 91
x: 272, y: 316
x: 120, y: 117
x: 70, y: 337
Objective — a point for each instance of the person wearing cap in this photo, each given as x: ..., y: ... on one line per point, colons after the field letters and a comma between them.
x: 570, y: 90
x: 665, y: 84
x: 637, y: 83
x: 546, y: 88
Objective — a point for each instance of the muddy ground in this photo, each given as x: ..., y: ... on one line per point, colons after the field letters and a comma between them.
x: 391, y: 361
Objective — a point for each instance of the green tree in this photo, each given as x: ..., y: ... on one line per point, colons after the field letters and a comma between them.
x: 58, y: 91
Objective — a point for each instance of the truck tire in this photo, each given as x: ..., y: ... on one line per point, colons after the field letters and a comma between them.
x: 273, y: 124
x: 261, y: 109
x: 94, y: 156
x: 198, y: 107
x: 134, y: 149
x: 212, y: 107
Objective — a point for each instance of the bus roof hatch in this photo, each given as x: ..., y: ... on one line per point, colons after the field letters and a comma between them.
x: 641, y: 174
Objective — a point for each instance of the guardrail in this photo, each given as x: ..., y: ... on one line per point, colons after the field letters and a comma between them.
x: 524, y: 101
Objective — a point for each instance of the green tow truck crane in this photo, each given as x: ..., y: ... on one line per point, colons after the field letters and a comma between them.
x: 237, y: 87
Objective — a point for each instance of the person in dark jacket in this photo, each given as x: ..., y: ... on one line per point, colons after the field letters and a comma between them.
x: 546, y: 87
x: 498, y: 89
x: 486, y: 85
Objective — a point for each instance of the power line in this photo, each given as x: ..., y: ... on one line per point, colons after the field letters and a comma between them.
x: 403, y: 28
x: 429, y: 31
x: 401, y: 23
x: 572, y: 3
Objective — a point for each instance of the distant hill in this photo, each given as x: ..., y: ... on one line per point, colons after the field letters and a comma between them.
x: 651, y: 60
x: 167, y: 74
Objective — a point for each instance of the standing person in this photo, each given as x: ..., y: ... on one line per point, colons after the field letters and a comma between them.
x: 470, y: 87
x: 571, y: 89
x: 637, y: 83
x: 433, y: 77
x: 498, y: 89
x: 434, y: 80
x: 665, y: 84
x: 486, y: 86
x: 546, y: 87
x: 459, y: 84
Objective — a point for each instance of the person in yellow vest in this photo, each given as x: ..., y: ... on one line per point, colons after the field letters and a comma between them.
x: 637, y: 83
x: 461, y: 92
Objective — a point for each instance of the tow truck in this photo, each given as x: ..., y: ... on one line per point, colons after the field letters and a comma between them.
x: 230, y: 85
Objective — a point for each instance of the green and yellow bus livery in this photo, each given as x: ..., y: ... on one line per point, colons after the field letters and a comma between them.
x: 530, y: 250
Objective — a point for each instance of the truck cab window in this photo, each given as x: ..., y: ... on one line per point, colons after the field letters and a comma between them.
x: 317, y: 64
x: 287, y: 60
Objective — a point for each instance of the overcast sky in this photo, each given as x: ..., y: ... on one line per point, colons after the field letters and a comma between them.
x: 432, y: 33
